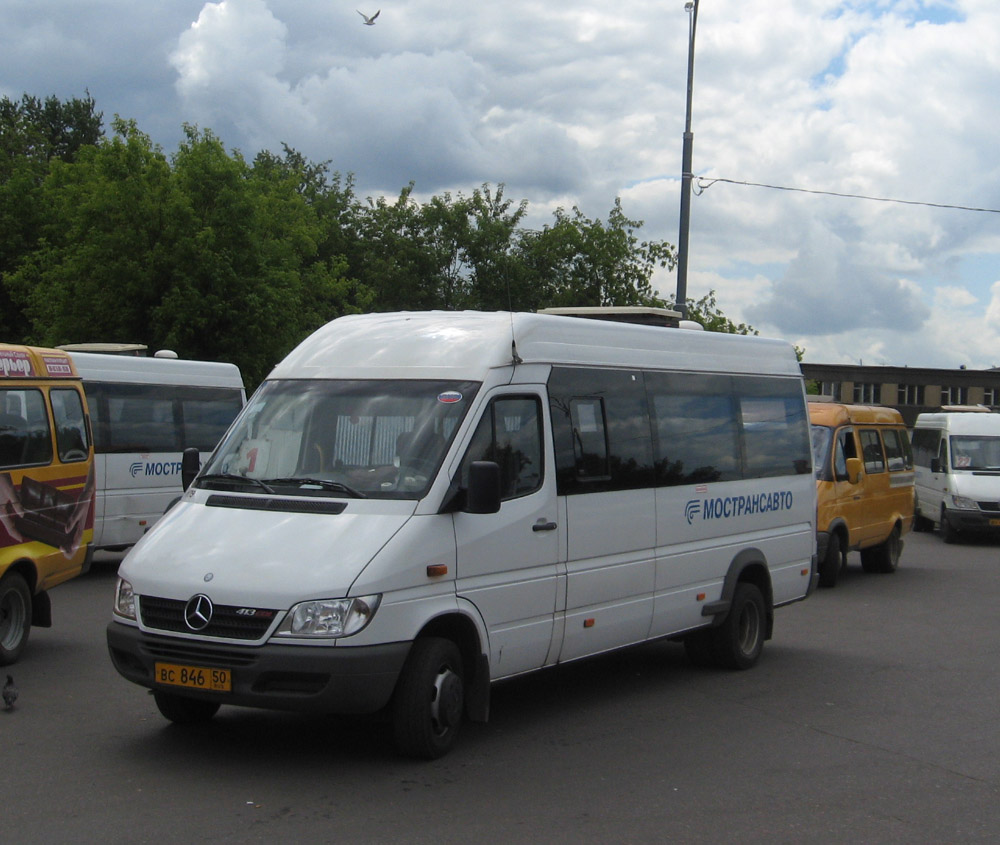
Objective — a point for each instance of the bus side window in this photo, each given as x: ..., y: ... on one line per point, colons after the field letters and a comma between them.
x: 845, y: 449
x: 71, y: 427
x: 509, y: 434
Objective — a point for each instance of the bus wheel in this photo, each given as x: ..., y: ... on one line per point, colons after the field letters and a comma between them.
x: 948, y: 532
x: 184, y: 711
x: 429, y: 701
x: 884, y: 557
x: 739, y: 640
x: 15, y: 617
x: 829, y: 567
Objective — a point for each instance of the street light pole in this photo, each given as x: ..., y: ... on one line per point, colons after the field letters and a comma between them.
x: 691, y: 6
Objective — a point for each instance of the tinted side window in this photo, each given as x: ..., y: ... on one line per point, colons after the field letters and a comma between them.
x: 585, y: 401
x: 775, y: 427
x: 25, y: 438
x: 510, y: 434
x: 72, y: 438
x: 159, y: 418
x: 871, y: 450
x: 925, y: 445
x: 695, y: 428
x: 897, y: 450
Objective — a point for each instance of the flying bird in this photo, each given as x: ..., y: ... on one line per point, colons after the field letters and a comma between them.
x: 9, y: 693
x: 369, y: 21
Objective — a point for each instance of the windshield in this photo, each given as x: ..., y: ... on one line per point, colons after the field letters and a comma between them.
x: 380, y: 439
x: 822, y: 437
x: 975, y: 453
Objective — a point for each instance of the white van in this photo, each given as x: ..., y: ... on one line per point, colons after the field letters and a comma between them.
x: 145, y: 413
x: 957, y: 459
x: 413, y: 505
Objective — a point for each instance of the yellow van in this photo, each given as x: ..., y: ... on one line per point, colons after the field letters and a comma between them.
x: 864, y: 486
x: 46, y: 486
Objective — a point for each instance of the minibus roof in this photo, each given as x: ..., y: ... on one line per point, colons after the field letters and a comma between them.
x: 465, y: 345
x: 835, y: 413
x: 128, y: 369
x: 34, y: 362
x: 961, y: 423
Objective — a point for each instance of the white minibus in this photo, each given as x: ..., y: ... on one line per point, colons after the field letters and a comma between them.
x: 145, y: 413
x: 957, y: 459
x: 415, y: 505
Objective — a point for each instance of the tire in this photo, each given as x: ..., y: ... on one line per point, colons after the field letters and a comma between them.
x: 182, y: 710
x: 429, y: 701
x: 883, y: 558
x: 829, y: 567
x: 738, y: 641
x: 948, y: 532
x: 15, y: 617
x: 921, y: 523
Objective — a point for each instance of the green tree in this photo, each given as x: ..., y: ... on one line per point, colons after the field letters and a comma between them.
x: 578, y: 261
x: 33, y: 133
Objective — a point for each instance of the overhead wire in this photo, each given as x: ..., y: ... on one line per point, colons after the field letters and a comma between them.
x: 702, y: 184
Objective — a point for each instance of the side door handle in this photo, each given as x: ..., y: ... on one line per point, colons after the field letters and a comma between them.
x: 542, y: 525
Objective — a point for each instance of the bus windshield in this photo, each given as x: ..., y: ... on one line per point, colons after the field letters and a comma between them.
x: 371, y: 438
x: 975, y: 453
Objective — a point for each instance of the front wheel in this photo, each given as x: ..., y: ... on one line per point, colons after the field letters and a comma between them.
x: 948, y: 532
x: 15, y: 617
x: 429, y: 701
x: 182, y: 710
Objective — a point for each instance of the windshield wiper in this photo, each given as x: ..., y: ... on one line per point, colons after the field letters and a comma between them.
x: 324, y: 483
x: 237, y: 479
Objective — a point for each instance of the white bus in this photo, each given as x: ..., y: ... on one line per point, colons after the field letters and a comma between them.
x: 415, y: 505
x: 145, y: 412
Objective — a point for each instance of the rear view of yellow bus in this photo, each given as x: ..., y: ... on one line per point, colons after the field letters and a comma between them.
x: 46, y: 487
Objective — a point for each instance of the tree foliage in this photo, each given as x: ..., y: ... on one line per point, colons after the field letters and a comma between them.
x: 221, y: 258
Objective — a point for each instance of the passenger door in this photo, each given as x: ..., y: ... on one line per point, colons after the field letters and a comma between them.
x: 849, y: 497
x: 509, y: 562
x: 875, y: 487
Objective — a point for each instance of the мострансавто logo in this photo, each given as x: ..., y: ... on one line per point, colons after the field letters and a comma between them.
x: 726, y: 507
x: 154, y: 468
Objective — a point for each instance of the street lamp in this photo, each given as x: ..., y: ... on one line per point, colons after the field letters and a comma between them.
x: 691, y: 7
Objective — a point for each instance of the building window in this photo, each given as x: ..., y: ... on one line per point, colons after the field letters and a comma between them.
x: 865, y: 393
x: 911, y: 394
x: 990, y: 396
x: 954, y: 396
x: 830, y: 388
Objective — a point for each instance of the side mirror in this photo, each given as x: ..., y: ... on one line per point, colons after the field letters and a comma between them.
x: 190, y: 464
x: 853, y: 470
x: 935, y: 465
x: 483, y: 495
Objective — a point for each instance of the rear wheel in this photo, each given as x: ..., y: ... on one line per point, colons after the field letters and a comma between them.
x: 883, y: 558
x: 738, y: 641
x: 182, y: 710
x: 15, y: 617
x: 829, y: 567
x: 429, y: 701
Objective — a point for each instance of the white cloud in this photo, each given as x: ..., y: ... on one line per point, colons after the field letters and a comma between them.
x: 576, y: 103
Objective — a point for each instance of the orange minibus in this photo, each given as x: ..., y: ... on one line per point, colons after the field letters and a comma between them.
x: 46, y: 486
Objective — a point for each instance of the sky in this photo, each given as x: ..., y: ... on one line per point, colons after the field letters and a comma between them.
x: 579, y: 103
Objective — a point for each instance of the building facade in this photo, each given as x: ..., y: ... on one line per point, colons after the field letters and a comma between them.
x: 912, y: 390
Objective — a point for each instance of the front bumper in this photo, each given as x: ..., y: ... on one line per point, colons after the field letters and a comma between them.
x: 970, y: 520
x: 307, y: 679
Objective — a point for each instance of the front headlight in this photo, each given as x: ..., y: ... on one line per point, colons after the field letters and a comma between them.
x: 124, y: 599
x: 964, y: 503
x: 328, y: 617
